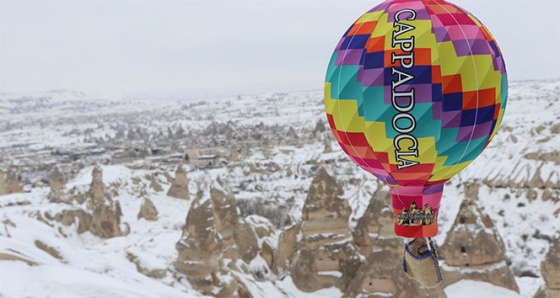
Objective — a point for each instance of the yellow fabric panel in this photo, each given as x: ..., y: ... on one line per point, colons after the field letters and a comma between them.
x: 375, y: 134
x: 341, y: 111
x: 441, y: 172
x: 370, y: 17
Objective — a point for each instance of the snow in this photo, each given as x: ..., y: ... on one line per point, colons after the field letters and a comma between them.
x: 528, y: 286
x: 470, y: 289
x: 100, y: 272
x: 64, y: 281
x: 87, y: 265
x: 290, y: 290
x: 495, y: 266
x: 331, y: 273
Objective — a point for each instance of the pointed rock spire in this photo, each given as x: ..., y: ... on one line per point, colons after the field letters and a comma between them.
x: 326, y: 256
x: 14, y: 181
x: 106, y: 221
x: 148, y: 210
x: 154, y: 184
x: 200, y: 245
x: 233, y: 155
x: 473, y: 240
x: 473, y: 249
x: 550, y: 271
x: 3, y: 190
x: 375, y: 228
x: 180, y: 185
x: 214, y: 234
x: 57, y: 183
x: 97, y: 188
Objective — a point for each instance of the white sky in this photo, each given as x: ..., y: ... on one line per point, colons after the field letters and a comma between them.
x: 219, y: 47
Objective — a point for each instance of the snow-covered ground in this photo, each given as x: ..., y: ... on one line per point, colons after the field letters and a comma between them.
x: 83, y: 265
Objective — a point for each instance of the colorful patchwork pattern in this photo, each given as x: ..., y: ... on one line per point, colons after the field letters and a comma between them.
x: 415, y: 91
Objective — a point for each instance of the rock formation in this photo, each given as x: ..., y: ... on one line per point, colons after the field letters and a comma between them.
x: 2, y: 184
x: 550, y: 271
x: 148, y: 210
x: 328, y: 146
x: 382, y: 272
x: 244, y: 152
x: 106, y: 221
x: 96, y: 191
x: 381, y: 275
x: 200, y: 246
x: 471, y: 190
x: 375, y: 228
x: 326, y: 256
x: 286, y: 250
x: 261, y: 225
x: 154, y: 184
x: 246, y: 241
x: 266, y: 151
x: 291, y: 135
x: 215, y: 240
x: 265, y: 232
x: 57, y: 182
x: 533, y: 171
x: 77, y: 216
x: 11, y: 182
x: 180, y: 185
x: 319, y: 128
x: 103, y: 218
x: 474, y: 250
x: 233, y: 153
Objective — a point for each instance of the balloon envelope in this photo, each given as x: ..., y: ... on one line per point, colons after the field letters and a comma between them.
x: 415, y: 90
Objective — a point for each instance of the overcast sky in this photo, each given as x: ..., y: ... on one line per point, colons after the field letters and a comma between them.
x: 222, y: 47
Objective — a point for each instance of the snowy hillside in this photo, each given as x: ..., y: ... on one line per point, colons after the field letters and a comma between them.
x: 267, y: 149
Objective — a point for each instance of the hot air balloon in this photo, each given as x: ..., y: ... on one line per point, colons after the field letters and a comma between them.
x: 414, y: 92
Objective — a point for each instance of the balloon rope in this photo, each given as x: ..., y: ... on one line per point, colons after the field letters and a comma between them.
x: 399, y: 197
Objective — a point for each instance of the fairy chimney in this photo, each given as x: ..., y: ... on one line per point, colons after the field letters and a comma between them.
x: 57, y: 182
x: 180, y: 185
x: 224, y: 205
x: 214, y: 232
x: 3, y: 190
x: 265, y: 233
x: 154, y: 184
x: 237, y: 235
x: 13, y: 182
x: 97, y: 188
x: 471, y: 190
x: 246, y: 240
x: 286, y: 250
x: 327, y: 145
x: 375, y: 228
x: 266, y: 151
x: 474, y: 250
x: 200, y: 245
x: 233, y: 153
x: 550, y: 271
x: 292, y: 135
x: 326, y: 256
x: 148, y: 210
x: 319, y: 128
x: 106, y: 221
